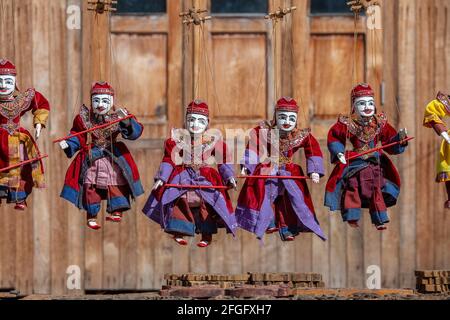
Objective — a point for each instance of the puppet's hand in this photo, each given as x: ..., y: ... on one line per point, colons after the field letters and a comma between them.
x: 38, y: 130
x: 315, y: 178
x: 403, y: 134
x: 159, y: 183
x: 123, y: 113
x: 445, y: 136
x: 244, y: 171
x: 232, y: 182
x: 64, y: 145
x: 341, y: 158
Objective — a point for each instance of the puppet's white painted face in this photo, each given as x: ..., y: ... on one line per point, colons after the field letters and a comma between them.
x: 364, y: 107
x: 286, y: 121
x: 7, y: 85
x: 196, y: 123
x: 102, y: 103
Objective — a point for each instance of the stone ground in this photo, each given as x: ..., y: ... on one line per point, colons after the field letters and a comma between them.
x: 323, y: 294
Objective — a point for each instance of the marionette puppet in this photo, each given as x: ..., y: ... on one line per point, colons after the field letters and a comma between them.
x: 364, y: 177
x: 436, y: 111
x: 189, y: 195
x: 21, y: 167
x: 275, y: 197
x: 103, y: 168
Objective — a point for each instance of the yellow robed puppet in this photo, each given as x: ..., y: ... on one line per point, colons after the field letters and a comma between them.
x: 435, y: 113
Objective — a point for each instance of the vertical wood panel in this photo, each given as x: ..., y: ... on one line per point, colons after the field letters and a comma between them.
x: 7, y: 215
x: 58, y: 79
x: 42, y: 200
x: 74, y: 88
x: 407, y: 85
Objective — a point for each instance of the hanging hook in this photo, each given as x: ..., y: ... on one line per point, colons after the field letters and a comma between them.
x: 102, y: 6
x: 358, y: 6
x: 280, y: 13
x: 194, y: 16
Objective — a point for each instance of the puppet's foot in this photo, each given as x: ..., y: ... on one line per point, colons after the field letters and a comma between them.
x: 115, y: 217
x: 353, y: 224
x: 179, y: 239
x: 21, y: 206
x: 381, y: 227
x: 447, y: 204
x: 290, y: 238
x: 205, y: 242
x: 272, y: 230
x: 93, y: 224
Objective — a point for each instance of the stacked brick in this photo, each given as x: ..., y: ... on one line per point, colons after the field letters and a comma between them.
x: 433, y: 281
x: 280, y: 285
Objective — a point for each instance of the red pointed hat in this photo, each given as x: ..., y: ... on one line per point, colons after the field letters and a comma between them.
x: 7, y: 68
x: 198, y: 107
x: 287, y: 104
x: 362, y: 90
x: 102, y: 87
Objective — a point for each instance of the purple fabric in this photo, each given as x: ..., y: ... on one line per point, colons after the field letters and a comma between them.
x: 165, y: 170
x: 315, y: 165
x: 161, y: 212
x: 258, y: 222
x: 226, y: 172
x: 250, y: 160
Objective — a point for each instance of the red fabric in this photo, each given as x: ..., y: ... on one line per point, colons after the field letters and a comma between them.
x: 209, y: 173
x: 102, y: 88
x: 287, y: 104
x: 38, y: 102
x: 74, y: 170
x: 253, y: 192
x: 362, y: 90
x: 198, y: 107
x: 7, y: 68
x: 339, y: 133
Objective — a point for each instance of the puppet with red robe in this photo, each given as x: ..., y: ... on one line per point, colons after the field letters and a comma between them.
x: 189, y: 156
x: 103, y: 168
x: 369, y: 181
x: 268, y: 205
x: 16, y: 143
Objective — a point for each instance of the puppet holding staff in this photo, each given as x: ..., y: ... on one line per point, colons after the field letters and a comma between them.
x: 275, y: 198
x: 103, y: 168
x: 21, y: 167
x: 364, y: 177
x: 189, y: 195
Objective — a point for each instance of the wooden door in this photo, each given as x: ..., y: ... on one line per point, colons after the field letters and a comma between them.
x: 141, y: 47
x: 238, y: 68
x: 338, y: 58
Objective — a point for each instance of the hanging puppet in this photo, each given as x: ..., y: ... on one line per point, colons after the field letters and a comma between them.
x: 283, y: 204
x: 190, y: 196
x: 103, y: 169
x: 17, y: 144
x: 436, y: 111
x: 361, y: 178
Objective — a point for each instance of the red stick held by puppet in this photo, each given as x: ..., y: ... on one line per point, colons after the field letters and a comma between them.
x: 103, y: 126
x: 379, y: 148
x: 23, y: 163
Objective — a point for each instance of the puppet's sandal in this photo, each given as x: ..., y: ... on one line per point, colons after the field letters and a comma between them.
x: 272, y: 230
x: 115, y: 217
x: 353, y: 224
x: 381, y: 228
x: 180, y: 240
x: 93, y: 224
x: 203, y: 244
x: 290, y: 238
x: 21, y: 206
